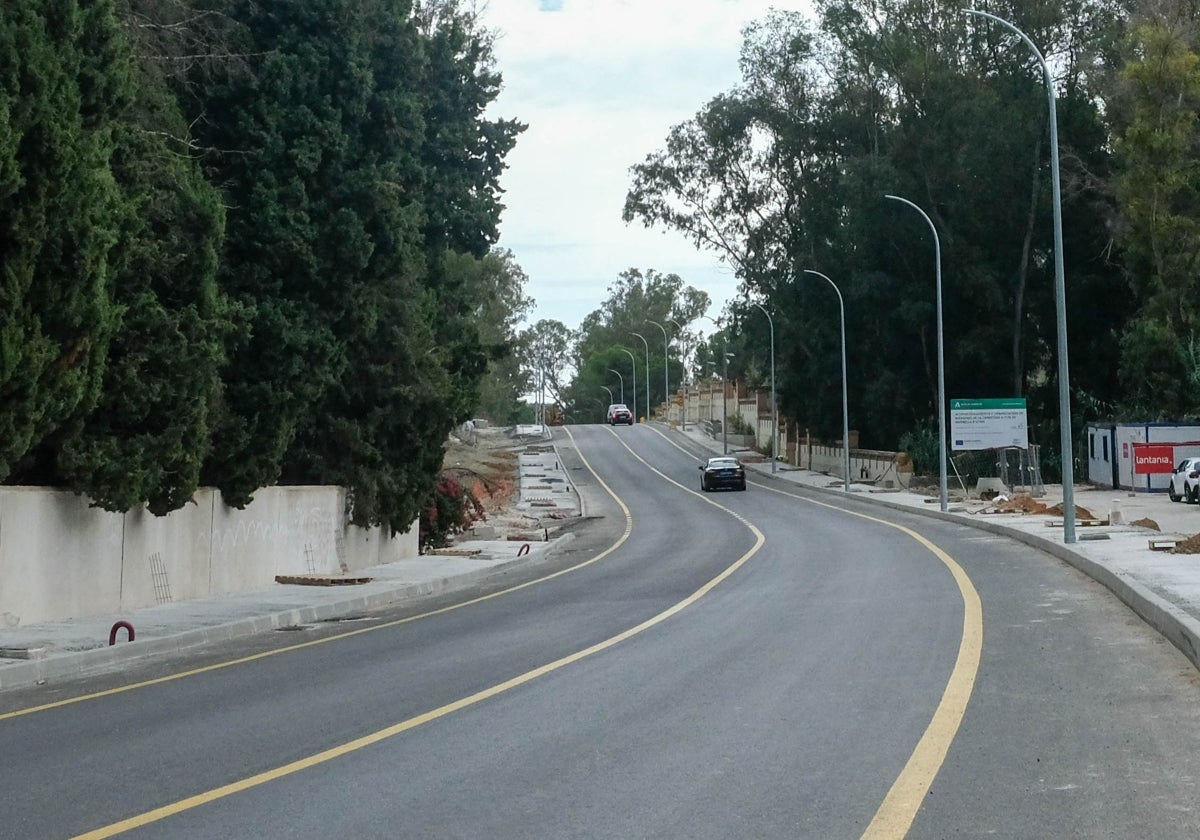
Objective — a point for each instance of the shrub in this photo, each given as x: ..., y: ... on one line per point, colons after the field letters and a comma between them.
x: 739, y: 426
x: 921, y: 445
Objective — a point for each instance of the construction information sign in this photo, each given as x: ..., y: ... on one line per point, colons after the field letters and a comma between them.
x: 989, y: 424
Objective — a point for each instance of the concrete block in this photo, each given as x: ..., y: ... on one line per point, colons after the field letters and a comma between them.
x: 987, y: 488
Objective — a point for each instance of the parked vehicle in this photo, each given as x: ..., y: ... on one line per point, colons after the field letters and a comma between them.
x: 722, y: 471
x: 1185, y: 481
x: 619, y: 413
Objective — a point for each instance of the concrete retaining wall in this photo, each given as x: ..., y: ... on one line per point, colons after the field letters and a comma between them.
x: 61, y: 558
x: 865, y: 464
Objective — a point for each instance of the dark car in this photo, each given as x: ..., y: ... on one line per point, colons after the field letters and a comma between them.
x: 619, y: 413
x: 724, y: 471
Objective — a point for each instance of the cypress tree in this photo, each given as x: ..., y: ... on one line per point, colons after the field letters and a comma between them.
x: 145, y: 441
x: 276, y: 142
x: 63, y: 75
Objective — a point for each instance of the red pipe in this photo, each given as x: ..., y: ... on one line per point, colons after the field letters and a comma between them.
x: 112, y: 634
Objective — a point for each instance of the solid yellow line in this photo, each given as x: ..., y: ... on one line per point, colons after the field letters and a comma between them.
x: 340, y: 636
x: 389, y: 732
x: 895, y: 816
x: 899, y: 808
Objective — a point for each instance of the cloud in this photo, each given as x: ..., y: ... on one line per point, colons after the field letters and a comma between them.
x: 600, y: 83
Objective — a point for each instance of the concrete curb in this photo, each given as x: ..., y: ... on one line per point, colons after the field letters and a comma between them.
x: 86, y: 662
x: 567, y: 476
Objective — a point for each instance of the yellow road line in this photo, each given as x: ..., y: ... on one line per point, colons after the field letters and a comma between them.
x: 899, y: 808
x: 389, y: 732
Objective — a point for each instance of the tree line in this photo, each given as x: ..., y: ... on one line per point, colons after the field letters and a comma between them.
x: 248, y: 244
x: 789, y: 171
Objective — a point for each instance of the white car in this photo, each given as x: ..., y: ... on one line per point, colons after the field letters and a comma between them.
x: 619, y: 413
x: 1185, y: 481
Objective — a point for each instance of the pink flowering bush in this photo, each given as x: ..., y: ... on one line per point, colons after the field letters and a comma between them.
x: 450, y: 510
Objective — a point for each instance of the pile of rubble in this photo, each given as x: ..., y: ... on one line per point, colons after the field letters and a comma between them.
x: 1028, y: 505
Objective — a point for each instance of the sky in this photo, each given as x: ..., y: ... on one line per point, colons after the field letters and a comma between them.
x: 600, y: 83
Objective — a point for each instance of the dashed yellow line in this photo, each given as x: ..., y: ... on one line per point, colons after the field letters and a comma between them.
x: 895, y: 815
x: 210, y: 796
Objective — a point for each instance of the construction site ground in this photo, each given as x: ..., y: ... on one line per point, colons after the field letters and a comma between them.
x: 517, y: 480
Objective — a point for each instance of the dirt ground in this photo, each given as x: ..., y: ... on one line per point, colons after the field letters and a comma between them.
x: 485, y: 462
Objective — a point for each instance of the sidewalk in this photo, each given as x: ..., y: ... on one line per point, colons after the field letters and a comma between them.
x: 1162, y: 587
x: 33, y: 654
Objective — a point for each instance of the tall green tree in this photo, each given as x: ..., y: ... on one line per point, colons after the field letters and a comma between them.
x: 546, y: 358
x: 462, y: 157
x: 64, y: 76
x: 149, y: 433
x: 634, y: 299
x: 1159, y: 194
x: 359, y: 171
x: 275, y: 141
x: 789, y: 171
x: 378, y: 427
x: 416, y: 360
x: 498, y: 284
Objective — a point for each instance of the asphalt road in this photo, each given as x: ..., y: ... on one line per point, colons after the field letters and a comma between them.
x: 758, y: 664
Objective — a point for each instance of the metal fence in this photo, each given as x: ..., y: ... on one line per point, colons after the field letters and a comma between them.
x: 1019, y: 470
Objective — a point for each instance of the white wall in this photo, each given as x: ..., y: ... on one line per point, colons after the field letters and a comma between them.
x: 1100, y: 442
x: 61, y: 558
x: 57, y: 557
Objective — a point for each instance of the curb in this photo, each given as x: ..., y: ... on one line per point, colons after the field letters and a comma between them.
x: 87, y: 662
x: 567, y: 477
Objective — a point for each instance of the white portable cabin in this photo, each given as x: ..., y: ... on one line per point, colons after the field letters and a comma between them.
x: 1110, y: 452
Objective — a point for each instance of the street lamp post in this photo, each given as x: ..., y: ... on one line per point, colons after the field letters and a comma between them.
x: 610, y: 401
x: 725, y: 406
x: 845, y: 398
x: 937, y: 246
x: 646, y: 344
x: 1060, y: 292
x: 774, y: 409
x: 719, y: 327
x: 631, y: 356
x: 666, y: 368
x: 622, y: 378
x: 683, y: 380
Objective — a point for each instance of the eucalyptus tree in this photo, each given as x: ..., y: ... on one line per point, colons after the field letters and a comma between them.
x: 634, y: 298
x: 546, y: 359
x: 964, y: 133
x: 788, y: 171
x: 498, y: 284
x: 747, y: 177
